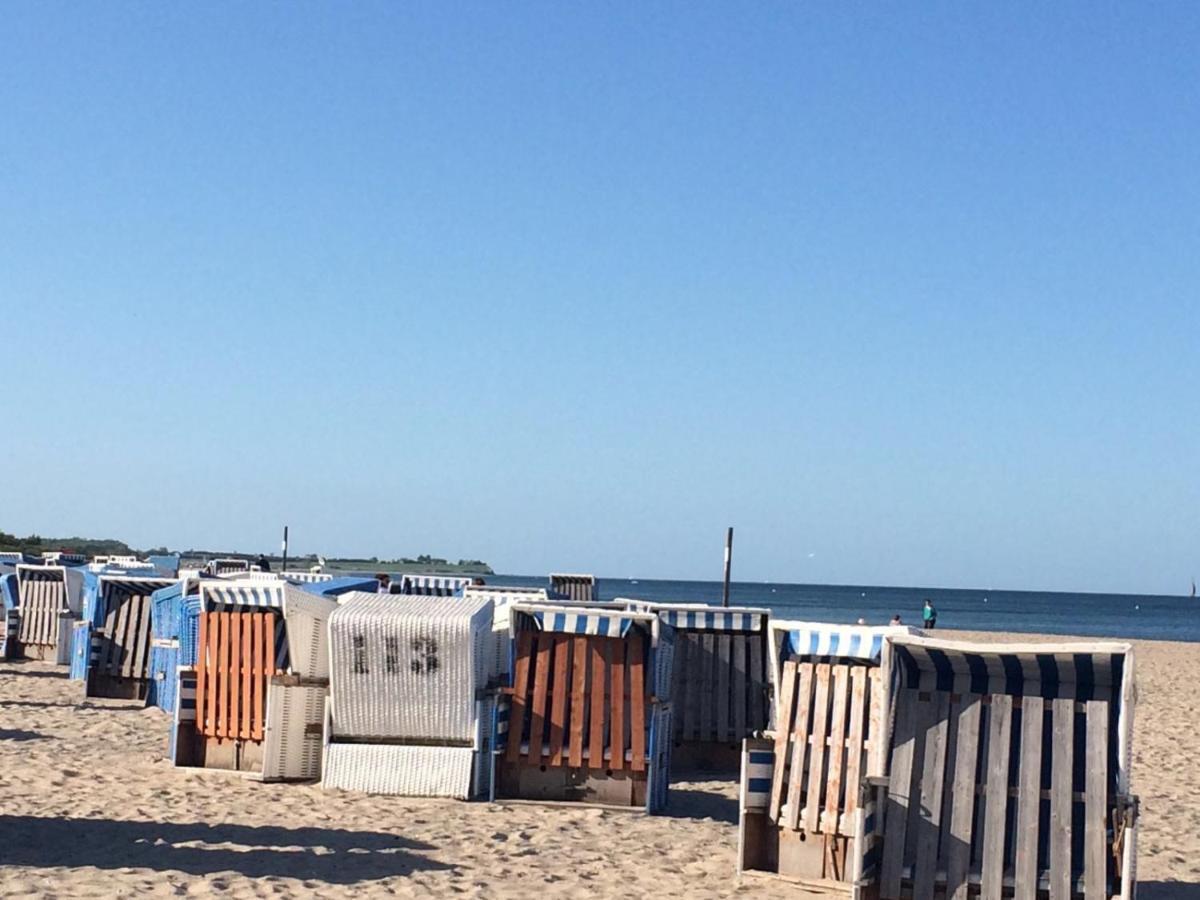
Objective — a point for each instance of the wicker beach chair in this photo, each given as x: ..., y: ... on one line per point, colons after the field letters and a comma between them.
x: 800, y: 811
x: 578, y: 588
x: 1008, y: 773
x: 720, y: 692
x: 50, y: 603
x: 227, y: 566
x: 255, y: 701
x: 408, y: 714
x: 502, y: 599
x: 586, y: 715
x: 433, y: 585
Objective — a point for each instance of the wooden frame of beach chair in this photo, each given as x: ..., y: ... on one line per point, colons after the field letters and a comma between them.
x: 1008, y: 773
x: 112, y: 645
x: 801, y: 815
x: 256, y: 696
x: 586, y: 716
x: 50, y: 604
x: 409, y: 712
x: 577, y: 588
x: 720, y: 689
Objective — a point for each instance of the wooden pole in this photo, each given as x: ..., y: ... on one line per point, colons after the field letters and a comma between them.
x: 728, y: 559
x: 283, y: 565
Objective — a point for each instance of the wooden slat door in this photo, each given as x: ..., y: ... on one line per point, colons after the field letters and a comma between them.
x: 234, y: 665
x: 579, y: 700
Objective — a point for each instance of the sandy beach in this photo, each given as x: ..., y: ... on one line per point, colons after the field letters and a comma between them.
x: 91, y: 809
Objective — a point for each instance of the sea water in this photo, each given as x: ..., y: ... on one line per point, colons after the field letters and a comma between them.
x: 1100, y: 615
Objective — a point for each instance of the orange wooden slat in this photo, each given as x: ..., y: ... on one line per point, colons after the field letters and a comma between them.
x: 201, y: 674
x: 518, y: 706
x: 637, y: 703
x: 235, y: 675
x: 246, y: 676
x: 596, y: 725
x: 537, y: 714
x: 579, y: 655
x: 264, y: 639
x: 558, y: 698
x: 222, y: 674
x: 616, y: 672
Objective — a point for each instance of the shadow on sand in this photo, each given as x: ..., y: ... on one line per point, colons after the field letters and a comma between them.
x: 16, y: 734
x: 689, y: 803
x: 1168, y: 890
x: 330, y: 855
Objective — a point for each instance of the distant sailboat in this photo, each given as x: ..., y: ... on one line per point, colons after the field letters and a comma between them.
x: 1193, y: 588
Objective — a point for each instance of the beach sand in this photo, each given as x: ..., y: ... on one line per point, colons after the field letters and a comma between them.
x: 89, y: 808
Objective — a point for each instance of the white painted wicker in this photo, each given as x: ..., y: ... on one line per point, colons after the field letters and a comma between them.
x: 409, y: 667
x: 292, y: 743
x: 402, y: 770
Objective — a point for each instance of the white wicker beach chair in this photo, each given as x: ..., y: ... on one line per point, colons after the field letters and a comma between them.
x: 408, y: 713
x: 259, y: 685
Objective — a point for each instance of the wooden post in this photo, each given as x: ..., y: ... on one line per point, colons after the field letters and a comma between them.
x: 283, y: 565
x: 728, y: 558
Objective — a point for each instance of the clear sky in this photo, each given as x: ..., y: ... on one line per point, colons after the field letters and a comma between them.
x: 907, y: 294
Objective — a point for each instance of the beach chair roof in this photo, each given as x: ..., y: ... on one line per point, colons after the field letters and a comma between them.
x: 357, y: 606
x: 1079, y: 670
x: 823, y: 639
x: 332, y: 587
x: 222, y: 593
x: 704, y: 617
x: 580, y: 619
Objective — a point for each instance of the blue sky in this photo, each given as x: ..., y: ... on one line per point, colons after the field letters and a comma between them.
x: 908, y: 296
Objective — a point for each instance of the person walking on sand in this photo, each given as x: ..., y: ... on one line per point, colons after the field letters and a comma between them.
x: 929, y: 615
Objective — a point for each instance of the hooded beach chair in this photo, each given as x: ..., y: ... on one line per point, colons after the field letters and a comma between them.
x: 408, y: 713
x: 586, y: 715
x: 227, y: 566
x: 255, y: 701
x: 719, y: 686
x: 800, y: 814
x: 578, y: 588
x: 296, y: 577
x: 1008, y: 773
x: 10, y: 597
x: 50, y: 603
x: 433, y: 585
x: 112, y: 644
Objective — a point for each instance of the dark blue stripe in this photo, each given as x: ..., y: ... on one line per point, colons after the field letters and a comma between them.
x: 1085, y: 677
x: 1014, y: 675
x: 979, y: 673
x: 758, y: 785
x: 1048, y: 666
x: 945, y: 672
x: 762, y: 757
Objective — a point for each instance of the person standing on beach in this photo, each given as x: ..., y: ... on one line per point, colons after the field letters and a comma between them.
x: 929, y: 614
x: 385, y: 582
x: 264, y: 564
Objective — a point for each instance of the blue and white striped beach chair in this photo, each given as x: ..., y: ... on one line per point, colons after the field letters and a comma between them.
x: 1008, y: 765
x: 51, y: 600
x: 719, y: 685
x: 433, y: 585
x: 586, y: 715
x: 10, y: 597
x: 113, y: 643
x: 577, y: 588
x: 801, y: 809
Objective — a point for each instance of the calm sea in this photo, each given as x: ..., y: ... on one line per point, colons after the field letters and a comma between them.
x: 1102, y: 615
